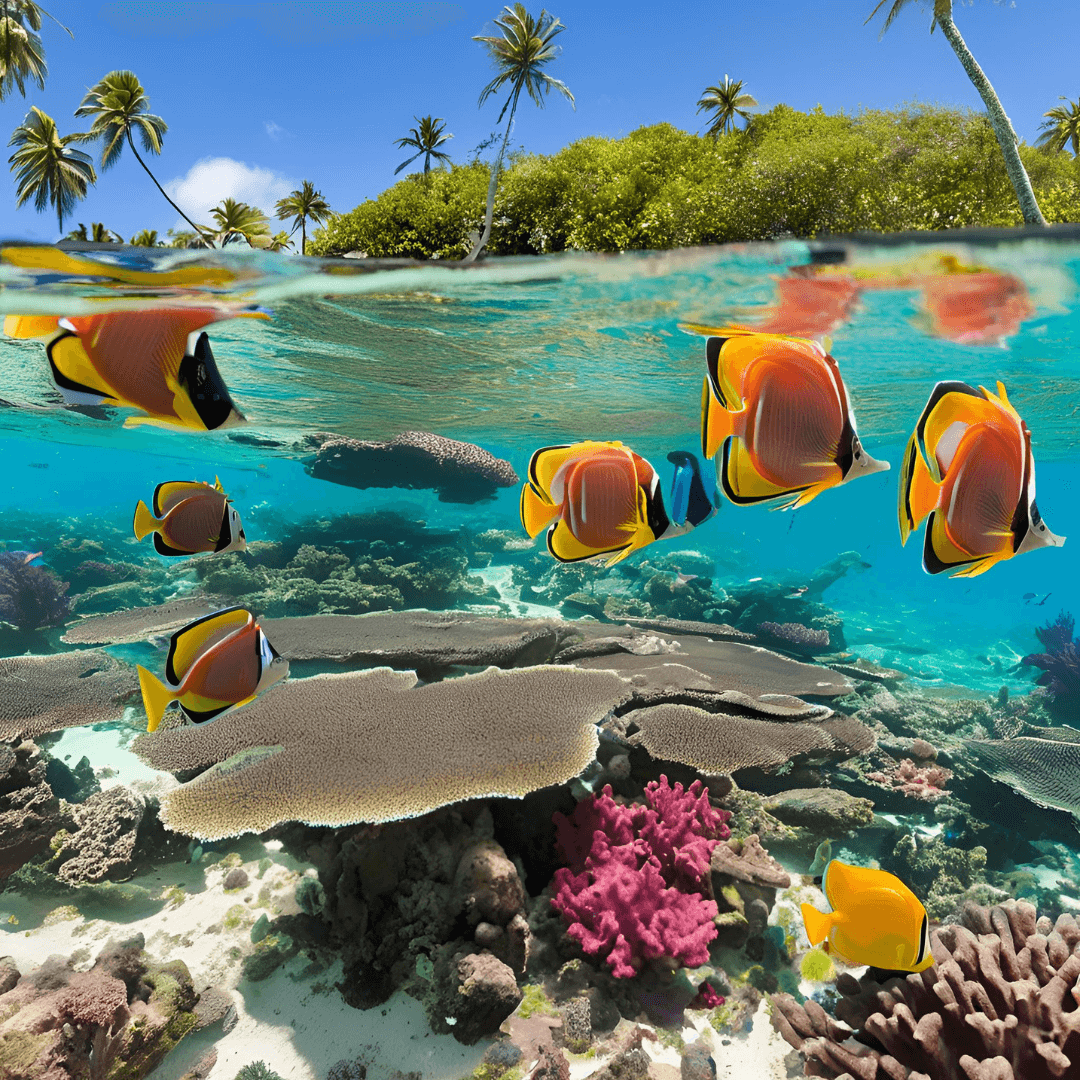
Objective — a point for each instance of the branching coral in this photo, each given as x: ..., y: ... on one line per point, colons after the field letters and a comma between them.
x: 1060, y: 663
x: 999, y: 1004
x: 633, y: 890
x: 919, y: 781
x: 30, y: 596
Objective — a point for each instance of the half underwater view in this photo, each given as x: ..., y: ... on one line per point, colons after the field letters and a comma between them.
x: 503, y: 670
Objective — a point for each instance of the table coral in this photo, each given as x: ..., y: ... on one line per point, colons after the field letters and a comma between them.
x: 999, y: 1004
x: 636, y: 885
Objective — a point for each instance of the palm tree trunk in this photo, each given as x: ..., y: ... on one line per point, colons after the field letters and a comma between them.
x: 303, y: 235
x: 1003, y: 129
x: 492, y: 186
x: 198, y: 231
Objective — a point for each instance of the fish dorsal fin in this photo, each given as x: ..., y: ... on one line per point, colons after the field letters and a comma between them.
x: 172, y: 493
x: 217, y: 484
x: 195, y: 639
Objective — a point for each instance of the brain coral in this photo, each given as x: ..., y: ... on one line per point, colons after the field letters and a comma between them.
x: 999, y: 1004
x: 374, y: 746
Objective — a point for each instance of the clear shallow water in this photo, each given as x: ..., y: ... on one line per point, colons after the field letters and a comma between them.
x: 517, y: 354
x: 513, y: 355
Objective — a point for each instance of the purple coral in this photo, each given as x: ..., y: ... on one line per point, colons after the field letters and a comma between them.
x: 637, y: 884
x: 30, y: 596
x: 1060, y: 663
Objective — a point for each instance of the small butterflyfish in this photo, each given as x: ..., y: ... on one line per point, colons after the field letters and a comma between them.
x: 600, y: 500
x: 780, y: 412
x: 968, y: 471
x: 158, y: 361
x: 215, y: 665
x: 190, y: 517
x: 875, y: 919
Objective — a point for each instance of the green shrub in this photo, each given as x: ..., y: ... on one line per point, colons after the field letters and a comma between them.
x: 789, y: 173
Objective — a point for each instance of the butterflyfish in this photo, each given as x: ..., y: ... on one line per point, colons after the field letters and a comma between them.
x: 190, y: 517
x: 968, y: 471
x: 875, y: 919
x: 779, y: 409
x: 215, y: 665
x: 158, y: 361
x: 600, y: 500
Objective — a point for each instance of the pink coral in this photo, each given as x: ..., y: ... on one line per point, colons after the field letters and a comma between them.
x: 925, y: 781
x: 633, y: 888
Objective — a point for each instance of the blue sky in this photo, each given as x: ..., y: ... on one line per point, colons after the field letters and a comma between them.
x: 261, y: 96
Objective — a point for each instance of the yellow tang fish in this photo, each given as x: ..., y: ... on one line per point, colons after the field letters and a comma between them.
x: 215, y: 665
x: 875, y: 919
x: 780, y: 410
x: 968, y: 466
x: 157, y: 360
x: 190, y: 517
x: 600, y: 499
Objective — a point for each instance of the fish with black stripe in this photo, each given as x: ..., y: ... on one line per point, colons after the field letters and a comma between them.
x: 190, y: 517
x: 969, y: 472
x: 779, y: 409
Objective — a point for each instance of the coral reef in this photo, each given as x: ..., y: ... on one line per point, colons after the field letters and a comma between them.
x: 280, y: 758
x: 46, y: 693
x: 793, y: 637
x: 120, y: 1018
x: 635, y: 889
x: 936, y: 871
x: 30, y: 596
x: 459, y: 471
x: 821, y: 811
x: 29, y: 811
x: 1060, y: 664
x: 136, y: 624
x: 925, y: 781
x: 103, y: 841
x: 997, y: 1005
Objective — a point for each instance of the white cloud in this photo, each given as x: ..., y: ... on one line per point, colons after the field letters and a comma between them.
x: 212, y: 179
x: 275, y: 130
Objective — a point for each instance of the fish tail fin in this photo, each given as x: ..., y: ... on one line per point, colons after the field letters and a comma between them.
x: 156, y: 697
x: 536, y: 513
x: 145, y: 522
x: 818, y: 923
x: 919, y: 491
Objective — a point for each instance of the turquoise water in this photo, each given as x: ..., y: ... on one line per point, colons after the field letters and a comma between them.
x: 513, y: 355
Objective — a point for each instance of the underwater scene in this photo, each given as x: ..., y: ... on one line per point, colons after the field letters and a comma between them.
x: 645, y: 665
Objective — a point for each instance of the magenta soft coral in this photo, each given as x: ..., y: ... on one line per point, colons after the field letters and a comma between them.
x: 633, y: 890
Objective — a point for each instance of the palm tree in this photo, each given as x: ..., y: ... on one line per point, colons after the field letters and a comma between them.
x: 300, y: 205
x: 22, y: 55
x: 147, y: 238
x: 727, y: 101
x: 182, y: 238
x: 100, y: 235
x: 520, y: 54
x: 425, y: 140
x: 1003, y: 129
x: 78, y: 234
x: 238, y: 221
x: 48, y: 169
x: 278, y: 242
x: 119, y: 106
x: 1062, y: 127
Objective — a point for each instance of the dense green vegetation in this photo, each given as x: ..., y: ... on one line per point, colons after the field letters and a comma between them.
x: 788, y: 173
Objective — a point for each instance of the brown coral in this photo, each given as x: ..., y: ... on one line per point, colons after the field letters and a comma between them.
x: 373, y: 746
x: 999, y: 1004
x: 46, y: 693
x: 135, y: 624
x: 720, y: 742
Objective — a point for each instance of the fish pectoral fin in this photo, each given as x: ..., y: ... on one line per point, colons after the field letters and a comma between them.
x: 191, y: 641
x: 743, y: 484
x: 566, y: 547
x: 537, y: 512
